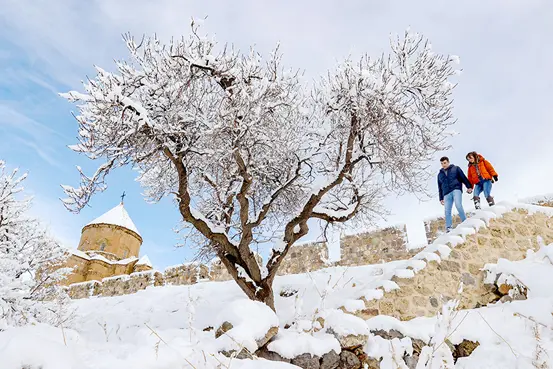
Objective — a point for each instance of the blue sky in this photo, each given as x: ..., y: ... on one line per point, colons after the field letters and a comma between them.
x: 503, y: 102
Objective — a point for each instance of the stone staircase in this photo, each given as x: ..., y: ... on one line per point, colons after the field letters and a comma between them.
x: 504, y: 231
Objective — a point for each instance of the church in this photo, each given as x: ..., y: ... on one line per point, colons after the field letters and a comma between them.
x: 109, y: 246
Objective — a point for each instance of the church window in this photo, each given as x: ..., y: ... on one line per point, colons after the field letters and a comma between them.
x: 125, y: 254
x: 102, y: 246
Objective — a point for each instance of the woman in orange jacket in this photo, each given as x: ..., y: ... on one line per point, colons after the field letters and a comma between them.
x: 481, y: 175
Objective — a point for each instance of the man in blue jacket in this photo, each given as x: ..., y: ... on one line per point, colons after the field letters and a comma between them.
x: 450, y: 185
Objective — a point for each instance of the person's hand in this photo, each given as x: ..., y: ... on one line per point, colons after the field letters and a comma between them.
x: 495, y: 178
x: 469, y: 190
x: 442, y: 202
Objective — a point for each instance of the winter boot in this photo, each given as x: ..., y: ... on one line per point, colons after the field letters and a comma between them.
x: 491, y: 202
x: 476, y: 202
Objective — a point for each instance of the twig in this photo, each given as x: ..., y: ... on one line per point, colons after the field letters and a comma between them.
x: 162, y: 340
x: 498, y: 335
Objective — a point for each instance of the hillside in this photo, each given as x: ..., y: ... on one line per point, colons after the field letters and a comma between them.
x: 332, y: 311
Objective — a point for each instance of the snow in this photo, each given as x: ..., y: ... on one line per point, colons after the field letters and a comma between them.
x: 416, y: 234
x: 251, y: 320
x: 145, y: 260
x: 79, y: 253
x: 290, y: 344
x: 164, y: 326
x: 344, y: 324
x: 95, y: 255
x: 117, y: 216
x: 534, y: 273
x: 333, y: 245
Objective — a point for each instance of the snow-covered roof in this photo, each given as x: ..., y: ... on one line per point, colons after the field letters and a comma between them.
x: 145, y: 260
x: 117, y: 216
x: 86, y: 256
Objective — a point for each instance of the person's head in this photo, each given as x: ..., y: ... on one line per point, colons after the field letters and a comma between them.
x: 445, y: 162
x: 472, y: 156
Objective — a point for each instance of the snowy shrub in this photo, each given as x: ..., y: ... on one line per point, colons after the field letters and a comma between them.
x: 28, y: 290
x: 251, y: 152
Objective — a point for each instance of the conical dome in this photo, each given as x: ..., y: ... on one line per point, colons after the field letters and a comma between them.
x: 117, y: 216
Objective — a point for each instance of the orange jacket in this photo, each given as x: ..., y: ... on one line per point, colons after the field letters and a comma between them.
x: 484, y: 167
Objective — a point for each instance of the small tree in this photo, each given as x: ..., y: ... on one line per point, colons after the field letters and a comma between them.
x: 26, y: 294
x: 250, y: 152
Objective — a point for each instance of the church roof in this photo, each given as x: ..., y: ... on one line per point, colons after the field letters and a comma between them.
x: 117, y: 216
x: 145, y: 260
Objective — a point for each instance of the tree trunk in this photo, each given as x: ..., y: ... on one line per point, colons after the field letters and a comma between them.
x: 262, y: 293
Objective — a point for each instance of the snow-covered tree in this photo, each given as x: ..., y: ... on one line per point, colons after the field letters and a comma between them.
x: 29, y: 290
x: 251, y: 152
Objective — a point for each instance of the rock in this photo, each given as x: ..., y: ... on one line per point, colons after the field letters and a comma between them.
x: 350, y: 341
x: 264, y: 353
x: 243, y: 354
x: 288, y: 292
x: 367, y: 313
x: 270, y: 334
x: 468, y: 279
x: 411, y: 361
x: 417, y: 346
x: 372, y: 363
x: 464, y: 349
x: 388, y: 335
x: 208, y: 329
x: 307, y: 361
x: 504, y: 289
x: 330, y: 360
x: 224, y: 328
x: 506, y: 298
x: 450, y: 266
x: 434, y: 302
x: 519, y: 295
x: 348, y: 360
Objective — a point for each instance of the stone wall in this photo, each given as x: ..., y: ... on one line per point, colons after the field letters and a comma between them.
x: 188, y: 273
x: 509, y: 236
x: 436, y: 226
x: 305, y: 258
x: 374, y: 247
x: 543, y: 200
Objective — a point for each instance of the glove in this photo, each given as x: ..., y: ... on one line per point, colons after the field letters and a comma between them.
x: 495, y: 178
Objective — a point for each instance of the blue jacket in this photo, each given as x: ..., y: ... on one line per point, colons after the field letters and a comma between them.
x: 451, y: 179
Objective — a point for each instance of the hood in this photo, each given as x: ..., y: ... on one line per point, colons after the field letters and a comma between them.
x: 479, y: 158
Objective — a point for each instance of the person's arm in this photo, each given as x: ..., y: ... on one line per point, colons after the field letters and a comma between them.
x: 489, y: 167
x: 463, y: 178
x: 440, y: 189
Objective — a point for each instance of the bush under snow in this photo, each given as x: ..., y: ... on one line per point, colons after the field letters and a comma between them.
x: 28, y: 292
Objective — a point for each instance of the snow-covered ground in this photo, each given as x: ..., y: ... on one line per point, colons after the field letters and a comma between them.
x: 169, y: 327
